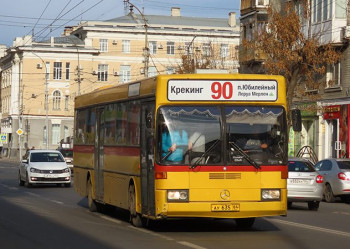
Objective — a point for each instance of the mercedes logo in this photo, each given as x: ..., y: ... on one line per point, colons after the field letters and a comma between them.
x: 225, y: 194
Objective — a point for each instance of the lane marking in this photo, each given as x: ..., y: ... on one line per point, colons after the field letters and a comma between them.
x: 109, y: 219
x: 188, y: 244
x: 151, y: 233
x: 319, y: 229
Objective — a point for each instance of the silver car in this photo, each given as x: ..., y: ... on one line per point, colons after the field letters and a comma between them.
x: 44, y: 166
x: 304, y: 183
x: 336, y: 175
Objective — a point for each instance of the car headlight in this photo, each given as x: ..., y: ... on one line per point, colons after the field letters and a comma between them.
x: 178, y: 195
x: 66, y: 170
x: 34, y: 170
x: 270, y: 194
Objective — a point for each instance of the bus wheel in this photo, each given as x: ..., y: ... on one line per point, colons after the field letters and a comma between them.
x: 245, y: 223
x: 135, y: 218
x: 91, y: 202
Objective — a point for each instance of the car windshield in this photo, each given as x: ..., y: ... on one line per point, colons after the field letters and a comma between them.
x: 300, y: 166
x: 67, y: 153
x: 344, y: 164
x: 46, y: 157
x: 195, y: 135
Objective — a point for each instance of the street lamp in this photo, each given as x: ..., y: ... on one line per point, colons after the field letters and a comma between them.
x: 146, y: 49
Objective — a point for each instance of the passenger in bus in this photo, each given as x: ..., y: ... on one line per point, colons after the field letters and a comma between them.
x: 174, y: 144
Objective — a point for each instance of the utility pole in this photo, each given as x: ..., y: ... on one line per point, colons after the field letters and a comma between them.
x: 146, y: 48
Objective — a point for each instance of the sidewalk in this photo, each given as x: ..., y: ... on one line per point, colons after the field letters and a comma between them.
x: 9, y: 159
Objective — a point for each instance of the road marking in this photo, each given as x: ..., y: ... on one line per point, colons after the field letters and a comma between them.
x: 320, y: 229
x: 109, y: 219
x: 344, y: 213
x: 150, y: 232
x: 185, y: 243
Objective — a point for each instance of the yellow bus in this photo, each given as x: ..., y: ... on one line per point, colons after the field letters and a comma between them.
x: 177, y: 146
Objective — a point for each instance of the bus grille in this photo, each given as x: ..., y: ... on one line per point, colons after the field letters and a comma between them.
x: 213, y: 176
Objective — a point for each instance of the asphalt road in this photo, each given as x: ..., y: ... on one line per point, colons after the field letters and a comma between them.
x: 50, y: 217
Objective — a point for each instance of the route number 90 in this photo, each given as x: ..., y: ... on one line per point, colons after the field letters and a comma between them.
x: 220, y: 90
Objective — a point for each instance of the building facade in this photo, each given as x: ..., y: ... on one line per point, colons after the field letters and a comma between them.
x: 39, y: 80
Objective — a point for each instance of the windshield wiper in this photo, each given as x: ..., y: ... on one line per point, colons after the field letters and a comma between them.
x: 245, y: 155
x: 204, y: 154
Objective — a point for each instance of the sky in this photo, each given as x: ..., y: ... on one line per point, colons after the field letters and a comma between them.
x: 46, y: 18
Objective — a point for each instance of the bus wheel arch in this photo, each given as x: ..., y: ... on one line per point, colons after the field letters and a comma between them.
x: 135, y: 218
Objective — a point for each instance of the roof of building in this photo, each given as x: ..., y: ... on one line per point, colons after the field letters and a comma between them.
x: 71, y: 39
x: 175, y: 20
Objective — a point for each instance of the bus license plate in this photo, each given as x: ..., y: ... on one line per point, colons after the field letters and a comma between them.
x: 225, y: 207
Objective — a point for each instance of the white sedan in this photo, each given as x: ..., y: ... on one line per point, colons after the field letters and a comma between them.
x: 44, y: 166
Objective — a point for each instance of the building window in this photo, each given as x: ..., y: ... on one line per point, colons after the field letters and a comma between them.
x: 152, y: 71
x: 224, y: 51
x: 125, y: 73
x: 56, y: 134
x: 125, y: 46
x: 66, y: 102
x: 103, y: 45
x: 206, y: 49
x: 56, y: 100
x: 57, y: 70
x: 44, y: 135
x: 334, y: 75
x: 67, y: 70
x: 170, y: 48
x: 102, y: 74
x: 66, y: 134
x: 152, y: 47
x: 47, y: 68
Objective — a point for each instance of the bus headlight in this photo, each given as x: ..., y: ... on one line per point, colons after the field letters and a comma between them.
x: 178, y: 195
x: 270, y: 194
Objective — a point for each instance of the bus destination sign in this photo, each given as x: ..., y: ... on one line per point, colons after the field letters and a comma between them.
x: 222, y: 90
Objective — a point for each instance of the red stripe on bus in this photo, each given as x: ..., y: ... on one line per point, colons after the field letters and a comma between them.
x: 122, y: 151
x: 279, y: 168
x: 83, y: 149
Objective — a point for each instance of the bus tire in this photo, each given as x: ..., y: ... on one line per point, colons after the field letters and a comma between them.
x: 245, y: 223
x: 135, y: 218
x: 91, y: 202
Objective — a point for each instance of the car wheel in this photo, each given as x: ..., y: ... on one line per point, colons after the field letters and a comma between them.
x: 135, y: 218
x: 289, y: 204
x: 91, y: 202
x: 313, y: 205
x: 27, y: 183
x: 328, y: 194
x: 67, y: 185
x: 245, y: 223
x: 20, y: 181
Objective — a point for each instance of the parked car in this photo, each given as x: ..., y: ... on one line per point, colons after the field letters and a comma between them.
x: 43, y: 166
x: 68, y: 157
x: 336, y: 175
x: 304, y: 183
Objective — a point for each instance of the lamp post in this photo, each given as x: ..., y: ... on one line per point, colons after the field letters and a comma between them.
x: 146, y: 49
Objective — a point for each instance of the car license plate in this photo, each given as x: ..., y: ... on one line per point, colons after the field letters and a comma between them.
x: 233, y: 207
x: 51, y: 176
x: 299, y: 181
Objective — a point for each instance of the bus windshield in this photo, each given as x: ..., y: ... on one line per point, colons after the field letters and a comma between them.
x: 231, y: 135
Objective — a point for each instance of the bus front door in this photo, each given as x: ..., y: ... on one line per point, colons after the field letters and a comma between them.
x: 99, y: 155
x: 147, y: 158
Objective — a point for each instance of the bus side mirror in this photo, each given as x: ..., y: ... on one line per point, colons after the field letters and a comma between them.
x: 296, y: 119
